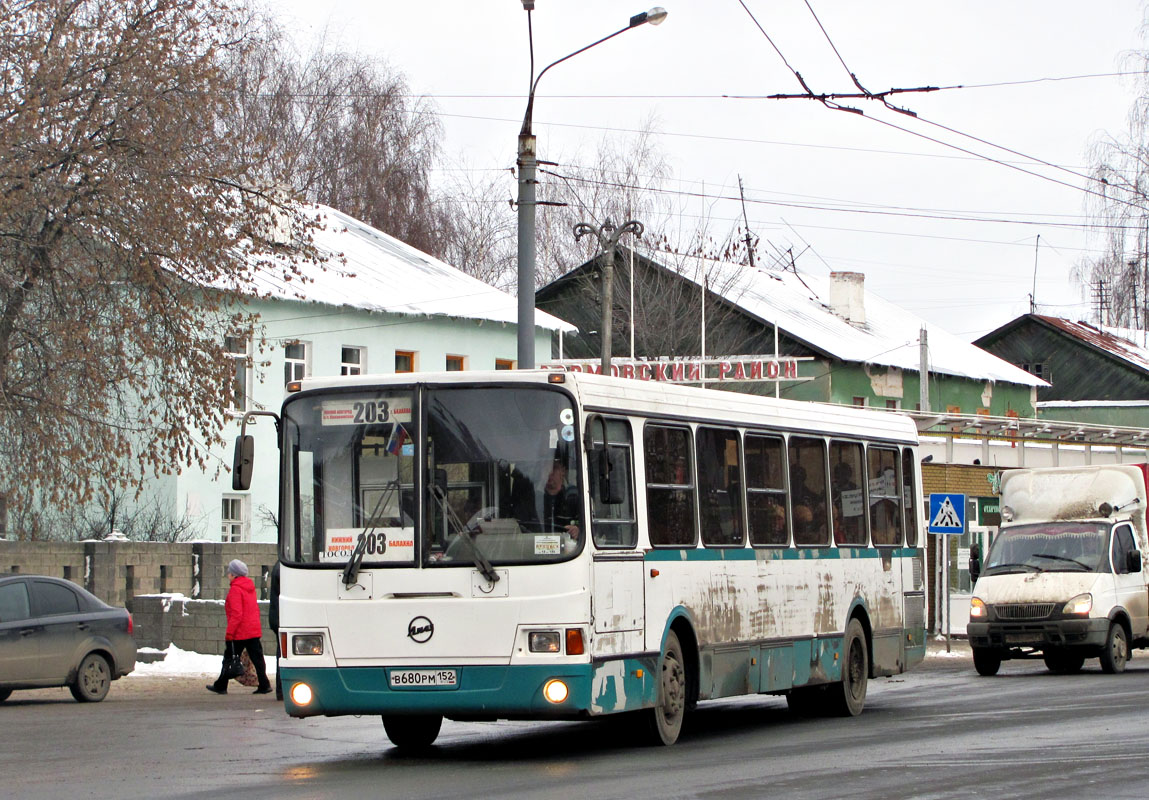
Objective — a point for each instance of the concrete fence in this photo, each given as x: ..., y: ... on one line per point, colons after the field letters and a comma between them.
x: 174, y: 591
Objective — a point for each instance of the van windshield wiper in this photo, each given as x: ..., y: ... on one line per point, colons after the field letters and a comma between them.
x: 1007, y: 565
x: 1081, y: 564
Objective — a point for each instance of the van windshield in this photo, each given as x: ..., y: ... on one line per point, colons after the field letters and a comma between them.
x: 1050, y: 547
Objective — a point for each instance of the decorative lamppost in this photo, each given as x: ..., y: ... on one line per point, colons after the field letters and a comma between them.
x: 608, y: 236
x: 527, y: 167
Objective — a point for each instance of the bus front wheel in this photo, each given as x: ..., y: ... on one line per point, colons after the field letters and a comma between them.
x: 412, y: 732
x: 665, y: 719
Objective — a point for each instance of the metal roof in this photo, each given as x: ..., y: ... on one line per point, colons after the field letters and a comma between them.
x: 1113, y: 343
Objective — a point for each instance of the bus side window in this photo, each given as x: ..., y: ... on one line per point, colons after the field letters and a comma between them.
x: 847, y: 500
x: 766, y: 490
x: 720, y: 487
x: 614, y: 524
x: 808, y: 491
x: 669, y: 486
x: 885, y: 501
x: 909, y: 498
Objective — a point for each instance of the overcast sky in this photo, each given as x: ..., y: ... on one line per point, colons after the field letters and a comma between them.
x: 801, y: 164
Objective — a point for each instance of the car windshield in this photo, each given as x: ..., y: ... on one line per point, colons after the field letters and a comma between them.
x: 1050, y: 547
x: 500, y: 481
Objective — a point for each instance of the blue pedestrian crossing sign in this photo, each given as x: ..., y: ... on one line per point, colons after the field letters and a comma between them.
x: 947, y: 513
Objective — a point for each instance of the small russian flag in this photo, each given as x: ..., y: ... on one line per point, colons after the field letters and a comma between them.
x: 397, y: 439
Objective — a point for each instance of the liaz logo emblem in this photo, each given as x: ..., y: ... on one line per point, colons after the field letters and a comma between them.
x: 420, y: 630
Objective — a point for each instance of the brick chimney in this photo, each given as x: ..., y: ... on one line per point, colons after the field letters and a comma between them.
x: 848, y: 296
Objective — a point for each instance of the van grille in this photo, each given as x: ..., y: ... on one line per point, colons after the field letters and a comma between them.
x: 1024, y: 610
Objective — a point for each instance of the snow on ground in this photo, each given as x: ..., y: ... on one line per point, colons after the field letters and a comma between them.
x: 185, y: 662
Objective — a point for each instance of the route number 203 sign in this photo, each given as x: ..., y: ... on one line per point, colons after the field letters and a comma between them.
x: 365, y: 411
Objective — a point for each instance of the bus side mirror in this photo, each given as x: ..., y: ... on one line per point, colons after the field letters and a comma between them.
x: 1133, y: 561
x: 610, y: 476
x: 242, y: 462
x: 974, y: 562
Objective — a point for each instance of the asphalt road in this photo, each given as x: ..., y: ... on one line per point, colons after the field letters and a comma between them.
x: 937, y: 732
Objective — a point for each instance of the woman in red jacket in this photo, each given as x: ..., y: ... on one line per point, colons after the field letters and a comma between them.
x: 243, y: 627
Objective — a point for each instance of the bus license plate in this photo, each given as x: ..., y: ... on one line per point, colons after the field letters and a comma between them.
x: 414, y: 678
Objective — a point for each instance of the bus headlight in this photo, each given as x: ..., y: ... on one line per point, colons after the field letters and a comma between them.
x: 977, y: 609
x: 1082, y: 604
x: 307, y: 644
x: 555, y: 691
x: 544, y: 642
x: 301, y: 694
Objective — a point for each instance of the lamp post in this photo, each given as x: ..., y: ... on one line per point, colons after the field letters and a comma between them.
x: 527, y: 168
x: 608, y: 236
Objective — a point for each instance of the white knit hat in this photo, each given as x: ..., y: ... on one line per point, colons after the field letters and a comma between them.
x: 236, y: 567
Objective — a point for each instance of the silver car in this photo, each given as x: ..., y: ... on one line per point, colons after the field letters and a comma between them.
x: 53, y: 633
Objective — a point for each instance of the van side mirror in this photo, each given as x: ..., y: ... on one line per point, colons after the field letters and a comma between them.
x: 974, y: 561
x: 1133, y: 561
x: 242, y: 462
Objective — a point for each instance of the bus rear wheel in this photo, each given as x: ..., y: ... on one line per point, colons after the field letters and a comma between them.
x: 415, y: 732
x: 1060, y: 662
x: 986, y: 661
x: 665, y: 719
x: 846, y: 699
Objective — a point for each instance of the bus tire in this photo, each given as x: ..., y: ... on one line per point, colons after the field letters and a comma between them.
x: 1116, y: 652
x: 848, y: 698
x: 1061, y: 662
x: 986, y: 661
x: 665, y: 719
x: 412, y: 732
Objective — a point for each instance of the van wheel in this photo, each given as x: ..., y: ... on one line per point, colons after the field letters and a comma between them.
x: 665, y: 719
x: 416, y: 732
x: 93, y: 679
x: 846, y: 699
x: 1060, y: 662
x: 986, y: 661
x: 1116, y: 651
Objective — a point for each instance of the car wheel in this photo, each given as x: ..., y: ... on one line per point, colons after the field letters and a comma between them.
x: 1116, y: 651
x: 5, y: 694
x: 93, y: 679
x: 986, y: 661
x: 665, y: 719
x: 846, y: 699
x: 416, y: 732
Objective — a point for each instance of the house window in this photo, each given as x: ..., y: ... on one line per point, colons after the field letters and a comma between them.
x: 860, y: 402
x: 294, y: 362
x: 354, y: 360
x: 893, y: 403
x: 237, y: 350
x: 454, y: 363
x: 504, y: 363
x: 404, y: 361
x: 234, y: 526
x: 1038, y: 369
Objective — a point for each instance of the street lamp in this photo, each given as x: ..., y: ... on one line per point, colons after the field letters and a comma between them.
x: 527, y: 167
x: 608, y: 236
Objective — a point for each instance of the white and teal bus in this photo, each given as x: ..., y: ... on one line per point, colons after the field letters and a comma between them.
x: 552, y: 545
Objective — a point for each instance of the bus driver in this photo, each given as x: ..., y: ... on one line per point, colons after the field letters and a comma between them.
x: 560, y: 502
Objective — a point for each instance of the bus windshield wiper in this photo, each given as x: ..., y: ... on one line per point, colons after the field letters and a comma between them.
x: 464, y: 532
x: 351, y: 571
x: 1081, y: 564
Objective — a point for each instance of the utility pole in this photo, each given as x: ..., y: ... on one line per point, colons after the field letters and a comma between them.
x: 608, y: 236
x: 924, y: 370
x: 746, y: 224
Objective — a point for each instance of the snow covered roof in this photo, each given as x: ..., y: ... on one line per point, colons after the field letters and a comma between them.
x: 800, y: 305
x: 370, y: 270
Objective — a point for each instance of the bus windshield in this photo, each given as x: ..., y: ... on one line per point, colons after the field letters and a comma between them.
x: 1050, y: 547
x: 500, y: 480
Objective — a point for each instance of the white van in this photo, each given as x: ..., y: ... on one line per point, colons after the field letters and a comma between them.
x: 1065, y: 579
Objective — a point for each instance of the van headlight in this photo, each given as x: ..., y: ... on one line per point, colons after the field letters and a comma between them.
x: 977, y: 609
x: 1080, y: 605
